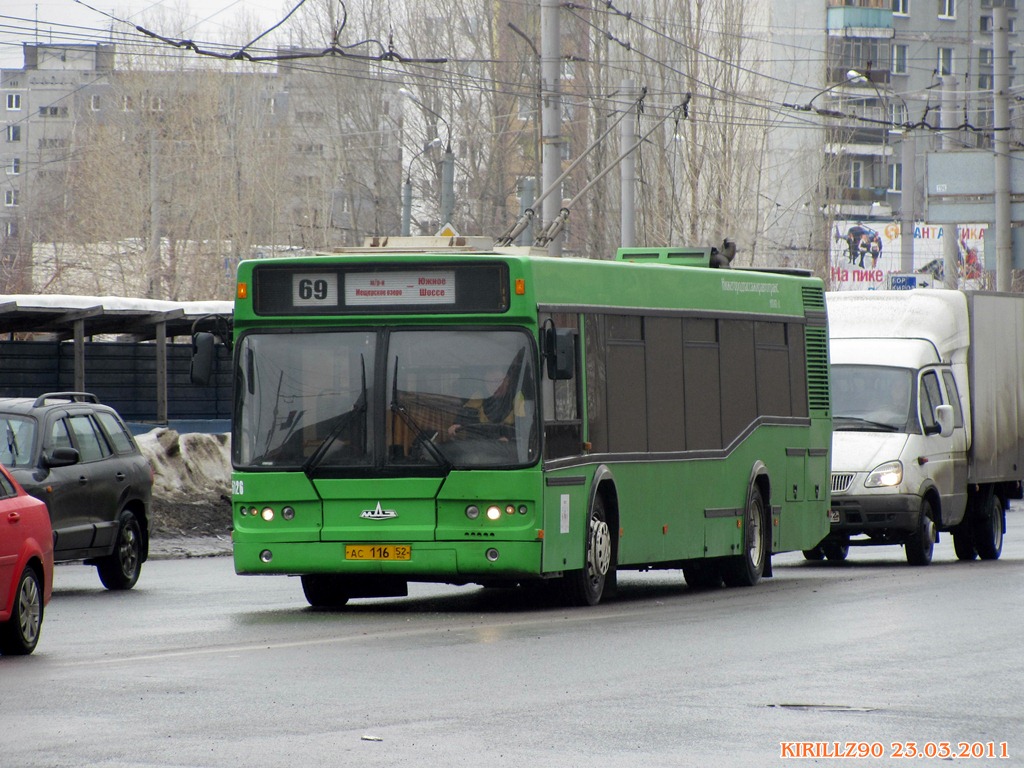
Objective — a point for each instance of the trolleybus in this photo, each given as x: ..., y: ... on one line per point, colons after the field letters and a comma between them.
x: 461, y: 415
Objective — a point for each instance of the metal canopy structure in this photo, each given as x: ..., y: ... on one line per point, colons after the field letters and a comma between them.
x: 77, y: 318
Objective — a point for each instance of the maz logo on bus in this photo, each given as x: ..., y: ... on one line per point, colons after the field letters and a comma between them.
x: 378, y: 513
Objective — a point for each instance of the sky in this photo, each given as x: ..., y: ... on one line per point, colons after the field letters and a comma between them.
x: 71, y: 21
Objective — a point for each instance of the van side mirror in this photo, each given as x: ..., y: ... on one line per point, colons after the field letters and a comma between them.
x: 201, y: 369
x: 944, y: 415
x: 560, y: 352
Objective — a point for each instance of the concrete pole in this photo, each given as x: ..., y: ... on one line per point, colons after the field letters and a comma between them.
x: 628, y: 167
x: 447, y: 186
x: 526, y: 197
x: 947, y: 118
x: 908, y: 202
x: 155, y: 265
x: 551, y: 114
x: 1001, y: 147
x: 407, y: 207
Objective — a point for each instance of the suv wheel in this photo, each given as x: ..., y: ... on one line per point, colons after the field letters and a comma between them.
x: 120, y: 570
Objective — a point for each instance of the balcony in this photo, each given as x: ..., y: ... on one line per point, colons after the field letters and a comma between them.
x: 846, y: 21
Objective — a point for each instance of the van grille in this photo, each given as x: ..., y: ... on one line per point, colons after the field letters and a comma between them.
x: 841, y: 481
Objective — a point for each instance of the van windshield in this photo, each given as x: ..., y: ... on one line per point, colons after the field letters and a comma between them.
x: 873, y: 398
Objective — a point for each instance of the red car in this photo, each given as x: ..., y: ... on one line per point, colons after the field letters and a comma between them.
x: 26, y: 566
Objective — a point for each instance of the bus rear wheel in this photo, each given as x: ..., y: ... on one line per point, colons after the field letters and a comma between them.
x: 746, y: 569
x: 586, y: 586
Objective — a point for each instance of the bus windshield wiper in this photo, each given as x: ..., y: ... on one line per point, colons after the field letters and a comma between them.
x: 421, y: 436
x: 344, y: 421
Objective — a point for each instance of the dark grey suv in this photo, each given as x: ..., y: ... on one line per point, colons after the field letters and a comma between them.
x: 78, y: 456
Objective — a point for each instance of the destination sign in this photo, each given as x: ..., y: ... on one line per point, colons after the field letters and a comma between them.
x: 342, y: 287
x: 400, y: 288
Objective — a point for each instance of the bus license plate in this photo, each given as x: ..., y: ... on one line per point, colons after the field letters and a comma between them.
x: 378, y: 552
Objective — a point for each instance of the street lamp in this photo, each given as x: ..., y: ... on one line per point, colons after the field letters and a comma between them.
x: 447, y: 162
x: 407, y: 188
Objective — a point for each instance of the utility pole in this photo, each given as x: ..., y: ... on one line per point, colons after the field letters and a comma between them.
x: 947, y: 119
x: 1001, y: 146
x: 447, y: 185
x: 551, y: 113
x: 908, y: 201
x: 155, y: 265
x: 628, y: 168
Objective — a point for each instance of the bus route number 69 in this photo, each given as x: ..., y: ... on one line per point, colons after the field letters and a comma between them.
x: 314, y: 290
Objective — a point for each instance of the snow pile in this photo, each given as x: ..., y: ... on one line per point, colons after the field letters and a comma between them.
x: 190, y: 467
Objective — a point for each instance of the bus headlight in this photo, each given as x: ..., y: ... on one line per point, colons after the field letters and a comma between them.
x: 885, y: 475
x: 472, y: 511
x: 267, y: 514
x: 494, y: 512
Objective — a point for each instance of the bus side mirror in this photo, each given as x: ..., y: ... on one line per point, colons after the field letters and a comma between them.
x: 560, y: 352
x: 201, y: 369
x: 944, y: 416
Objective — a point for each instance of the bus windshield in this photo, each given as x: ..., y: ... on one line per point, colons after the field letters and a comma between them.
x: 465, y: 398
x: 437, y: 400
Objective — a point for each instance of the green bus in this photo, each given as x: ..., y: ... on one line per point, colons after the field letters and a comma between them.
x: 489, y: 416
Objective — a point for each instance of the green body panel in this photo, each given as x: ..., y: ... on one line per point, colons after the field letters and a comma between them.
x: 674, y: 508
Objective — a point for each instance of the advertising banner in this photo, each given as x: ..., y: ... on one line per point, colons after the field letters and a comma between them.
x: 865, y: 255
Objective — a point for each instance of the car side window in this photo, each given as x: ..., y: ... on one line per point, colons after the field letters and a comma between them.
x: 6, y: 488
x: 954, y: 398
x: 931, y: 397
x: 59, y: 435
x: 117, y: 432
x: 92, y: 445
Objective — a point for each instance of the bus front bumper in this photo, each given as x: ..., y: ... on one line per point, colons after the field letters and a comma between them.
x: 436, y: 561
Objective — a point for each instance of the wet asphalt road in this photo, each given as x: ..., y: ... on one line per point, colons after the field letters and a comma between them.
x: 199, y: 667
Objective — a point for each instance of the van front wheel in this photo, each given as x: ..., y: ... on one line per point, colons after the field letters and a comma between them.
x: 921, y: 543
x: 987, y: 528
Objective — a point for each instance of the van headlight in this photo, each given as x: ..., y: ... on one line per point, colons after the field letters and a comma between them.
x: 885, y: 475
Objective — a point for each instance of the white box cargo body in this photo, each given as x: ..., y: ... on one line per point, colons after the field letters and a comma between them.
x: 928, y: 412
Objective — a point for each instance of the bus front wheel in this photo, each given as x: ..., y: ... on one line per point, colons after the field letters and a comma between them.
x: 324, y: 590
x: 586, y: 586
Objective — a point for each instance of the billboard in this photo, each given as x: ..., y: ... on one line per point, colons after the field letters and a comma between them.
x: 865, y: 255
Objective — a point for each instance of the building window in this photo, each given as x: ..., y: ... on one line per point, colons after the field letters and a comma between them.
x: 902, y: 7
x: 11, y: 228
x: 94, y: 102
x: 898, y: 114
x: 14, y: 133
x: 857, y: 174
x: 127, y: 104
x: 944, y: 65
x: 899, y: 59
x: 14, y: 102
x: 947, y: 9
x: 10, y: 197
x: 14, y: 167
x: 985, y: 25
x: 985, y: 57
x: 985, y: 82
x: 896, y: 177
